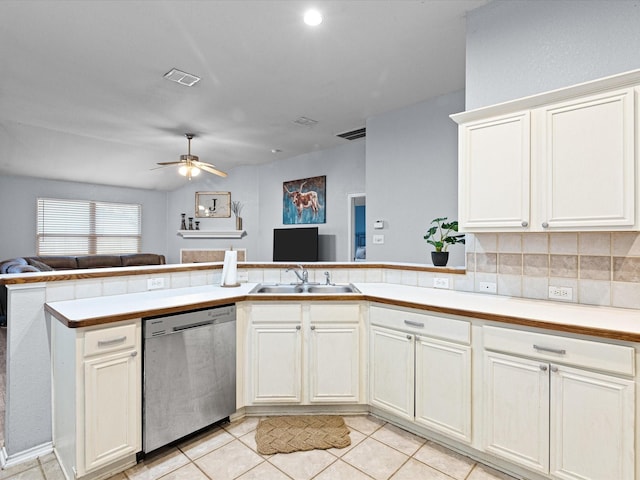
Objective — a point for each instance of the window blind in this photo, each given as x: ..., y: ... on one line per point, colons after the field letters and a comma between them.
x: 85, y: 227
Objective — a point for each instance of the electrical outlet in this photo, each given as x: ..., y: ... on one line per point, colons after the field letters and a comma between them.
x: 439, y: 282
x: 243, y: 276
x: 155, y: 283
x: 488, y: 287
x: 561, y: 293
x: 378, y: 239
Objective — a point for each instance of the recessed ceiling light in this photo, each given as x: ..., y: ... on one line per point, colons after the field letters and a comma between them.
x: 276, y: 150
x: 312, y: 18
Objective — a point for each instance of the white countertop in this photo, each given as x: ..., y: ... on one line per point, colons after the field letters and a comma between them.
x: 592, y: 320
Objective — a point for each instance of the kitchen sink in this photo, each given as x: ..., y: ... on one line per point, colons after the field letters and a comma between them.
x: 304, y: 288
x: 262, y: 288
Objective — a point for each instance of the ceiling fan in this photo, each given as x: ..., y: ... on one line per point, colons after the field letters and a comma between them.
x: 190, y: 165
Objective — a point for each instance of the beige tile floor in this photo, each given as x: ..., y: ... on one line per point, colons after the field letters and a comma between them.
x: 378, y: 451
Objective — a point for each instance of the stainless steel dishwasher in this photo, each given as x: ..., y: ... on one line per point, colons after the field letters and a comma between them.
x: 189, y: 379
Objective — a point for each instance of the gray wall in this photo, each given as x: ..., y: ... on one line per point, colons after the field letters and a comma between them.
x: 412, y: 178
x: 18, y: 214
x: 259, y: 188
x: 518, y: 48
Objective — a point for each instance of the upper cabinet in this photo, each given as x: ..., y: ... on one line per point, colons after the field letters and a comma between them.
x: 560, y: 161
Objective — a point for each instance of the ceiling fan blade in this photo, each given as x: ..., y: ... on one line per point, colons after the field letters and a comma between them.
x: 170, y: 163
x: 207, y: 167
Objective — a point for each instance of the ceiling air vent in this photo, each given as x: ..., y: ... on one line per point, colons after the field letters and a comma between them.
x: 305, y: 122
x: 354, y: 134
x: 183, y: 78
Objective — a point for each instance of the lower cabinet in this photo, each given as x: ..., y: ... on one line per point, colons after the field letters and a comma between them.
x: 570, y: 423
x: 418, y: 373
x: 304, y: 353
x: 97, y: 397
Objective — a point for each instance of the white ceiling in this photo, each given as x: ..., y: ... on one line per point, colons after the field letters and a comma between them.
x: 83, y: 98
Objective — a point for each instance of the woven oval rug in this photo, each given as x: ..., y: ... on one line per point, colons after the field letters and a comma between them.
x: 301, y: 432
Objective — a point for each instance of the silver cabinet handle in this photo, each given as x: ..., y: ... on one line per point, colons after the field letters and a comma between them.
x: 559, y: 351
x: 133, y: 354
x: 313, y: 327
x: 545, y: 225
x: 104, y: 343
x: 554, y: 369
x: 543, y: 368
x: 297, y: 327
x: 525, y: 223
x: 409, y: 337
x: 414, y: 324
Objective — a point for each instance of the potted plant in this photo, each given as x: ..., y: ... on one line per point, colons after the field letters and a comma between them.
x: 441, y: 234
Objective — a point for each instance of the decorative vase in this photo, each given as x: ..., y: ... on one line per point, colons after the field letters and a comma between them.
x: 440, y: 259
x: 183, y: 223
x: 238, y: 223
x: 190, y: 223
x: 197, y: 225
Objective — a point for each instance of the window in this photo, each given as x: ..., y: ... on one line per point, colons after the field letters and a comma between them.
x: 83, y: 227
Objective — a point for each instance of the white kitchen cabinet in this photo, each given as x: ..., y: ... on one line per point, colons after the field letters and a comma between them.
x: 392, y: 364
x: 559, y: 420
x: 334, y: 353
x: 493, y: 172
x: 559, y: 165
x: 516, y: 394
x: 443, y: 387
x: 97, y: 383
x: 304, y: 353
x: 592, y: 419
x: 276, y: 353
x: 421, y: 369
x: 586, y: 161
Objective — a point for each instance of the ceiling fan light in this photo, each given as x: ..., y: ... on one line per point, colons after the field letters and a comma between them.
x: 183, y: 170
x: 195, y: 171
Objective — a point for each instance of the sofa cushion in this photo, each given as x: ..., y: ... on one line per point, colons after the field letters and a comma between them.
x: 41, y: 266
x: 16, y: 268
x: 138, y: 259
x: 57, y: 262
x: 99, y: 261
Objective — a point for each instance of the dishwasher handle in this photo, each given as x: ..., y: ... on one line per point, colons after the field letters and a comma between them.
x: 192, y: 325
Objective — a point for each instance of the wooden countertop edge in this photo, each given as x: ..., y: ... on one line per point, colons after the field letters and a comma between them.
x: 65, y: 275
x: 507, y: 319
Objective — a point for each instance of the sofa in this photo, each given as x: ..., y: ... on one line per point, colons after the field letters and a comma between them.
x: 71, y: 262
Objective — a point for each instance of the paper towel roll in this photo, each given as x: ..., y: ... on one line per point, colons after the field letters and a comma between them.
x: 230, y: 269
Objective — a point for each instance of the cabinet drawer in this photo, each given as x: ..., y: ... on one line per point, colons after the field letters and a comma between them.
x: 337, y: 313
x: 569, y: 351
x: 112, y: 339
x: 276, y: 312
x: 421, y: 324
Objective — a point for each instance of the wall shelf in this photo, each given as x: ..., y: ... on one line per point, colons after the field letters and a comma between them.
x: 211, y: 233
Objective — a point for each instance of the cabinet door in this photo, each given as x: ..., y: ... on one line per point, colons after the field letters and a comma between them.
x: 592, y: 425
x: 516, y: 397
x: 112, y: 404
x: 334, y: 363
x: 276, y: 363
x: 493, y: 174
x: 392, y: 371
x: 443, y: 387
x: 587, y: 163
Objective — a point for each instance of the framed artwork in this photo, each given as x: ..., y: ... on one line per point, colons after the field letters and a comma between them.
x: 213, y: 204
x: 303, y: 201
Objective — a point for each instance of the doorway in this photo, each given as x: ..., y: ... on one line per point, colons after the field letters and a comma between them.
x: 357, y: 227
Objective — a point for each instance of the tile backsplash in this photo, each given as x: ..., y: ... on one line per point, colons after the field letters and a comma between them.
x: 601, y: 268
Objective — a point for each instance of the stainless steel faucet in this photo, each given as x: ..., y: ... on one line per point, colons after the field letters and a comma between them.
x: 327, y: 276
x: 301, y: 273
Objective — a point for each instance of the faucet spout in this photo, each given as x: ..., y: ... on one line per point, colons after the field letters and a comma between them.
x: 302, y: 273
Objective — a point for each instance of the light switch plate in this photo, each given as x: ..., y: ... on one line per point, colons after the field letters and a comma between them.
x: 378, y: 239
x: 439, y: 282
